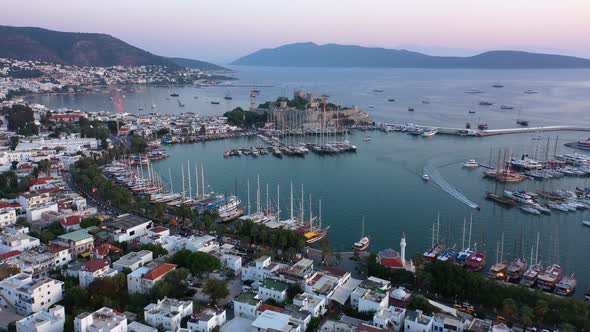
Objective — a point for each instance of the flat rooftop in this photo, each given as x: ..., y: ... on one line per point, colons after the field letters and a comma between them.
x: 127, y: 221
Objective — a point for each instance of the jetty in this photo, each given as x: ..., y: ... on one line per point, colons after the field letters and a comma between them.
x: 484, y: 132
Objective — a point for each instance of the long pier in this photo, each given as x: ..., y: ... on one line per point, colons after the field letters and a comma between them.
x: 493, y: 132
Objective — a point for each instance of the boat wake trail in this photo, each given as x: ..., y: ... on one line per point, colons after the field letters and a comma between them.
x: 444, y: 185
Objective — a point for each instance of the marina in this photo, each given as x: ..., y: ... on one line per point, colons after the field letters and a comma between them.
x: 388, y: 166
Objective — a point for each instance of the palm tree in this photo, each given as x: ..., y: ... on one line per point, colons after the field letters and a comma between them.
x: 526, y: 315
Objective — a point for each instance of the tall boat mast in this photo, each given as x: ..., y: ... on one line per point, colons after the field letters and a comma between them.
x: 203, y: 179
x: 302, y: 203
x: 196, y: 181
x: 278, y: 203
x: 470, y: 226
x: 188, y: 172
x: 183, y: 189
x: 248, y: 185
x: 258, y: 193
x: 320, y: 213
x: 170, y: 178
x: 291, y: 200
x: 267, y: 200
x: 310, y: 214
x: 463, y: 243
x: 537, y: 251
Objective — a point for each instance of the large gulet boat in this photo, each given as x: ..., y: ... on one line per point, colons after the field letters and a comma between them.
x: 529, y: 278
x: 364, y: 242
x: 498, y: 270
x: 311, y: 232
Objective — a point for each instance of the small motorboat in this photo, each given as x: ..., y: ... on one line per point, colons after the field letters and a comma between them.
x: 425, y: 177
x: 586, y: 223
x: 471, y: 163
x: 367, y: 138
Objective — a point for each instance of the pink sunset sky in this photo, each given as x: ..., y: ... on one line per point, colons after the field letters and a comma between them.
x: 223, y: 30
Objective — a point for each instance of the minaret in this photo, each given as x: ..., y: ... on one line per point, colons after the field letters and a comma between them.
x: 402, y: 245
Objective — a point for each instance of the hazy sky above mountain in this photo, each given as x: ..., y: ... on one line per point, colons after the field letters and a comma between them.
x: 222, y: 30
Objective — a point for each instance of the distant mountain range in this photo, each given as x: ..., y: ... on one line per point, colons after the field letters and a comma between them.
x: 81, y: 49
x: 334, y: 55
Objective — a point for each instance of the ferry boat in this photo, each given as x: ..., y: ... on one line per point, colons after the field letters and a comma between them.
x: 516, y: 270
x: 471, y: 163
x: 364, y: 242
x: 550, y: 277
x: 529, y: 278
x: 430, y: 132
x: 567, y: 286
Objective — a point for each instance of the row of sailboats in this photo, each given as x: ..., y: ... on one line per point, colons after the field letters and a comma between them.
x: 307, y: 226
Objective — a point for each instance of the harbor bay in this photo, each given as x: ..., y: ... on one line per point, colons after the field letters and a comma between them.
x: 382, y: 180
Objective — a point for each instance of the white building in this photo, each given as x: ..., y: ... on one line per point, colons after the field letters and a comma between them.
x: 61, y: 255
x: 272, y: 321
x: 31, y: 199
x: 95, y: 269
x: 35, y: 213
x: 36, y: 263
x: 7, y: 216
x: 273, y: 289
x: 207, y: 319
x: 391, y: 318
x: 446, y: 323
x: 313, y: 303
x: 27, y: 295
x: 144, y: 278
x: 371, y: 295
x: 18, y: 241
x: 167, y: 313
x: 138, y: 327
x: 52, y: 320
x: 232, y: 262
x: 102, y: 320
x: 127, y: 227
x: 133, y: 260
x: 205, y: 243
x: 245, y: 305
x: 416, y: 321
x: 260, y: 269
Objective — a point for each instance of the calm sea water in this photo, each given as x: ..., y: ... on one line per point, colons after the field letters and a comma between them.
x: 381, y: 182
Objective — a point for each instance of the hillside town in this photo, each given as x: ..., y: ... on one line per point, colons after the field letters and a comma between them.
x: 19, y: 77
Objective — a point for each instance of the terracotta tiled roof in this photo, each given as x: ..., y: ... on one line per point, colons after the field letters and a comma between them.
x: 105, y: 249
x: 10, y: 254
x: 159, y: 271
x: 70, y: 221
x: 94, y: 265
x: 159, y: 229
x: 264, y: 307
